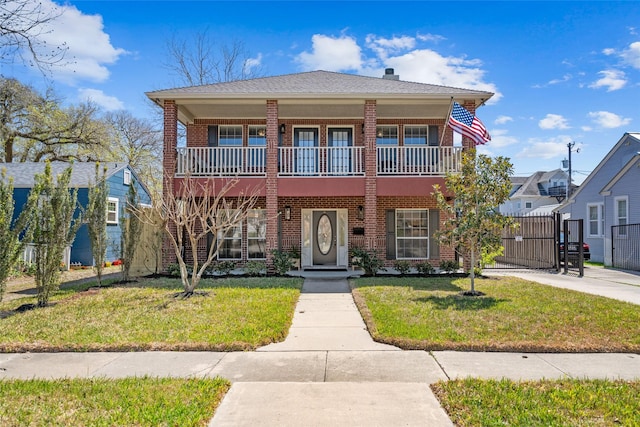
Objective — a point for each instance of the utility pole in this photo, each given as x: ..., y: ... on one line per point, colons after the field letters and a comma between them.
x: 570, y: 146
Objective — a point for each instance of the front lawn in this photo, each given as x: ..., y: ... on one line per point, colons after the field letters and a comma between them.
x: 104, y: 402
x: 568, y: 402
x: 514, y: 315
x: 233, y: 314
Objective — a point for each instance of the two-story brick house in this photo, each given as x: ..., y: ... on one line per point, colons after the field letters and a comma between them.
x: 341, y: 161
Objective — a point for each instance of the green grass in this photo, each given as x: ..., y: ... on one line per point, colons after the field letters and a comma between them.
x: 473, y: 402
x: 103, y: 402
x: 514, y: 315
x: 233, y: 314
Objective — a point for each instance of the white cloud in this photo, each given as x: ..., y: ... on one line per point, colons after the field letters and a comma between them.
x: 384, y: 47
x: 332, y: 54
x: 605, y: 119
x: 545, y: 149
x: 109, y: 103
x: 89, y: 48
x: 500, y: 139
x: 553, y: 121
x: 632, y: 55
x: 430, y: 38
x: 411, y: 63
x: 253, y: 62
x: 609, y: 51
x: 611, y: 79
x: 502, y: 120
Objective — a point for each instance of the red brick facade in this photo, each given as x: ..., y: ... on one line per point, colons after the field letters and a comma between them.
x: 412, y: 193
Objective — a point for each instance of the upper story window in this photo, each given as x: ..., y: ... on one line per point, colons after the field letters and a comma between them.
x: 127, y: 178
x: 416, y: 135
x: 257, y: 135
x: 387, y: 135
x: 229, y: 136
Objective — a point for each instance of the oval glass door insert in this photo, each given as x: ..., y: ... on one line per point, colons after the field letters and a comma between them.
x: 325, y: 234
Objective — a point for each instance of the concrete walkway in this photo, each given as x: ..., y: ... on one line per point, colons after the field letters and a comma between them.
x: 330, y: 372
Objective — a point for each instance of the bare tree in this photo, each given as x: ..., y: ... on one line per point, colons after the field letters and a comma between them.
x: 139, y: 143
x: 200, y: 61
x: 190, y: 214
x: 22, y: 25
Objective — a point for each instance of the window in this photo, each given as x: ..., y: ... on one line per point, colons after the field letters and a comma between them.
x: 596, y: 219
x: 257, y: 234
x: 416, y: 135
x: 527, y: 205
x: 386, y: 135
x: 112, y: 210
x: 412, y: 234
x: 621, y: 213
x: 340, y: 156
x: 230, y: 136
x: 127, y: 177
x: 230, y: 240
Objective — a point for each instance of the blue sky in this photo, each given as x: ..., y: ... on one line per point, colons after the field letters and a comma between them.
x: 561, y: 71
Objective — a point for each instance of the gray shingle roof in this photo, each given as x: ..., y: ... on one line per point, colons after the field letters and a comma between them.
x: 83, y: 173
x: 315, y: 83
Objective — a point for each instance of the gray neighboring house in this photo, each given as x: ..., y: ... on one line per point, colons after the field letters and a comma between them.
x: 609, y: 196
x: 538, y: 193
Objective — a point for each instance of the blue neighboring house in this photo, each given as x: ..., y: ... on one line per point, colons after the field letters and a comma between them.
x: 610, y: 196
x: 120, y: 176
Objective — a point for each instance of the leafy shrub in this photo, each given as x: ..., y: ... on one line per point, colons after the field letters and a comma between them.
x: 173, y: 270
x: 282, y: 261
x: 403, y: 267
x: 255, y: 268
x: 224, y: 267
x: 425, y: 268
x: 449, y: 266
x: 368, y: 261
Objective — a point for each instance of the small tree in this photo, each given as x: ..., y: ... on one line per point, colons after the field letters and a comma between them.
x: 10, y: 244
x: 192, y: 213
x: 473, y: 222
x: 131, y: 228
x: 96, y: 218
x: 53, y: 227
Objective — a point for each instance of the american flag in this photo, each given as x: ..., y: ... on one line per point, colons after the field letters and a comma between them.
x: 468, y: 125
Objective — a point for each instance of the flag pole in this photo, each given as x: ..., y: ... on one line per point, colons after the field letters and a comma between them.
x: 446, y: 123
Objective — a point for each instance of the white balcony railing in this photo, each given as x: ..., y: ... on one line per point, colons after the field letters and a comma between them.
x: 321, y: 161
x: 317, y: 161
x: 413, y: 161
x: 221, y: 161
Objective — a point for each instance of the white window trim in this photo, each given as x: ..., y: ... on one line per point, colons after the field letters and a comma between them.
x: 413, y: 238
x: 126, y: 179
x: 616, y: 212
x: 600, y: 219
x: 249, y: 239
x: 222, y: 237
x: 117, y: 209
x: 407, y: 127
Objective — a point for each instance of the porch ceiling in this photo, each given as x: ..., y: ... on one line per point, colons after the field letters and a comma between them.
x: 309, y: 109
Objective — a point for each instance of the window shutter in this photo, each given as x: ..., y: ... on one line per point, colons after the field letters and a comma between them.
x: 434, y: 225
x: 433, y: 136
x: 391, y: 234
x: 212, y: 136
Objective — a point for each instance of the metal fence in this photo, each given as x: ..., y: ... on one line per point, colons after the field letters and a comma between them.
x: 625, y: 246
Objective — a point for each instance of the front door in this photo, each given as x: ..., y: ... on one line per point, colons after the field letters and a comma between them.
x: 325, y: 238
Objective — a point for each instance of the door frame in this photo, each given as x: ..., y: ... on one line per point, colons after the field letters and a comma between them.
x: 308, y: 238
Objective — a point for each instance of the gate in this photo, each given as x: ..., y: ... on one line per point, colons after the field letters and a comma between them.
x: 625, y: 246
x: 532, y: 244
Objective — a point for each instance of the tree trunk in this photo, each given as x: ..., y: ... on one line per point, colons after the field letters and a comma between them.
x: 473, y: 270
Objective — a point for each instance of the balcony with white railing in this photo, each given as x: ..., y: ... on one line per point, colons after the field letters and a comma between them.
x: 417, y: 160
x: 317, y: 161
x: 221, y: 161
x: 321, y: 161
